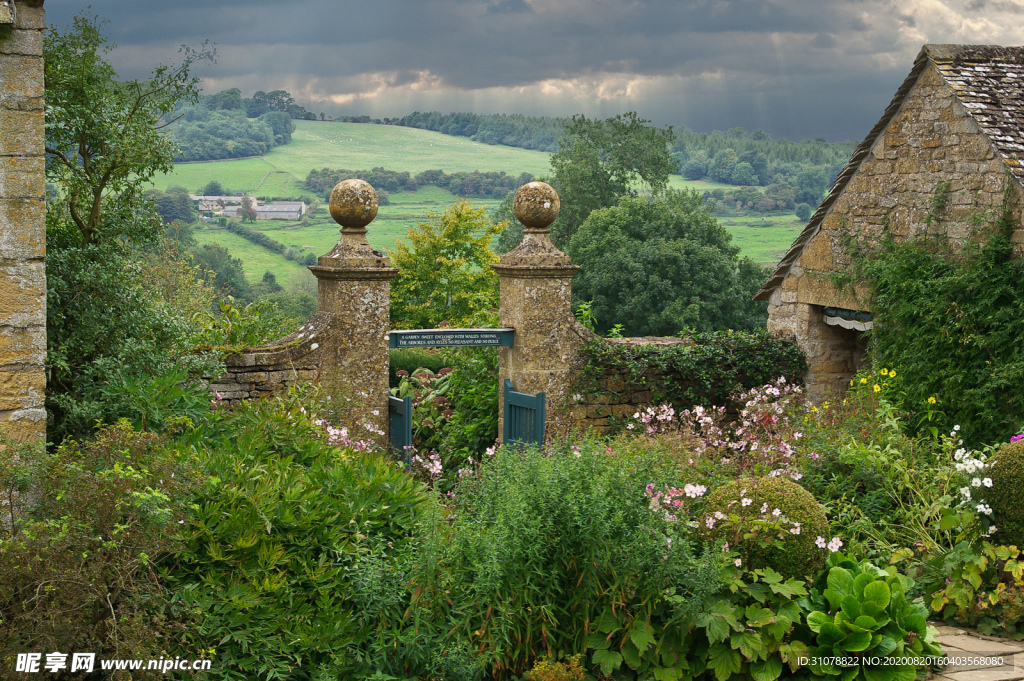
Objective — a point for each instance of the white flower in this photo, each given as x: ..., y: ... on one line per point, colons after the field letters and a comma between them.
x: 795, y: 529
x: 745, y: 501
x: 987, y: 482
x: 976, y: 482
x: 710, y: 522
x: 956, y: 429
x: 835, y: 544
x: 719, y: 515
x: 776, y: 513
x: 820, y: 542
x: 739, y: 562
x: 764, y: 507
x: 966, y: 492
x: 992, y: 529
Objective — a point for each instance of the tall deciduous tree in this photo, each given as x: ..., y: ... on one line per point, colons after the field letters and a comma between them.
x: 103, y: 139
x: 445, y: 269
x: 108, y: 326
x: 598, y: 162
x: 663, y: 264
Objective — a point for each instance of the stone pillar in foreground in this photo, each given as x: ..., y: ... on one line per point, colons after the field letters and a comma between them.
x: 354, y: 306
x: 536, y: 301
x: 22, y: 223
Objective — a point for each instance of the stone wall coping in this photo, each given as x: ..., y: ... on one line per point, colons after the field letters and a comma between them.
x: 649, y: 341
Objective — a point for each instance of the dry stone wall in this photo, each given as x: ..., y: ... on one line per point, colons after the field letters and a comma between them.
x: 617, y: 394
x: 22, y: 226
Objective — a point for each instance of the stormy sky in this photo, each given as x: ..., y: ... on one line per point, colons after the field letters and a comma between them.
x: 794, y: 68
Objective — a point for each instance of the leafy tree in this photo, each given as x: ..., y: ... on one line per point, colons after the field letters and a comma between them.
x: 803, y: 211
x: 103, y: 139
x: 247, y: 211
x: 174, y: 204
x: 230, y: 277
x: 105, y: 316
x: 660, y: 265
x: 598, y: 162
x: 213, y: 188
x: 445, y: 272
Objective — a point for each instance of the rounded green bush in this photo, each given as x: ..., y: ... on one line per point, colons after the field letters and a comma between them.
x: 793, y: 555
x: 1007, y: 473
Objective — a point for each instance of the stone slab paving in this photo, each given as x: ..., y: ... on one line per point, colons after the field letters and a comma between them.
x: 978, y: 657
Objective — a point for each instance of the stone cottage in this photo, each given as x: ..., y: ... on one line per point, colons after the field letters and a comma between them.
x: 955, y: 125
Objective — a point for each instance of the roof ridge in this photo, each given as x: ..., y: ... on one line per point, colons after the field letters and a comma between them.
x: 843, y: 179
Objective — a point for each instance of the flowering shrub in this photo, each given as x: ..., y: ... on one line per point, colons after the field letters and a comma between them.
x: 763, y: 441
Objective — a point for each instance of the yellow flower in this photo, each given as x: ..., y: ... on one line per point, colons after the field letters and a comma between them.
x: 931, y: 400
x: 863, y: 381
x: 851, y: 382
x: 892, y: 374
x: 877, y: 387
x: 884, y: 372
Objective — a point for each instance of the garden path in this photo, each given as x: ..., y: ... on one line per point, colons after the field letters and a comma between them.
x: 985, y: 658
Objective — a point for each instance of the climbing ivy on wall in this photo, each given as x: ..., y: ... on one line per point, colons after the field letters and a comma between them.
x: 950, y: 320
x: 709, y: 371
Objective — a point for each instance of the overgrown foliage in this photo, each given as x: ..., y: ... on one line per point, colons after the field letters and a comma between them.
x: 82, y: 528
x: 950, y: 321
x: 708, y: 371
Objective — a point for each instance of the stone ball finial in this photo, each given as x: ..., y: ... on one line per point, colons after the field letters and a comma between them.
x: 536, y: 205
x: 353, y: 204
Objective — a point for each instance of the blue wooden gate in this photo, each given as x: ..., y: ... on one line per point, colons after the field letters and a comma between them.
x: 400, y: 415
x: 524, y: 417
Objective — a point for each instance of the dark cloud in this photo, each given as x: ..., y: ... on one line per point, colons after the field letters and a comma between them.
x: 796, y: 68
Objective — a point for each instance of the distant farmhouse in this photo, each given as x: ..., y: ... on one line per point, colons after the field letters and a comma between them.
x: 957, y: 119
x: 228, y: 206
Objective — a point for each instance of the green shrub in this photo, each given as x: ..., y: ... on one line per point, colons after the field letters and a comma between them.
x: 82, y: 526
x: 747, y: 506
x: 545, y: 548
x: 473, y: 396
x: 1007, y: 473
x: 279, y: 534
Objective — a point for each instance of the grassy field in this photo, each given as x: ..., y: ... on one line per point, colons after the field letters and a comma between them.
x: 392, y: 223
x: 354, y: 146
x: 315, y: 144
x: 767, y: 241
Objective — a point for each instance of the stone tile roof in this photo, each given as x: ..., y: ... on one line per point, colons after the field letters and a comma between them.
x: 988, y: 81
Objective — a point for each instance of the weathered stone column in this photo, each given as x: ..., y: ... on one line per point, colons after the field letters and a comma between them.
x: 22, y: 223
x: 353, y: 311
x: 536, y: 301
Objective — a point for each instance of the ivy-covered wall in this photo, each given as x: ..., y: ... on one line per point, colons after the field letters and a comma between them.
x: 621, y: 375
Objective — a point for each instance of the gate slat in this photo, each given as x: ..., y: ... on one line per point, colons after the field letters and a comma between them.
x: 524, y: 417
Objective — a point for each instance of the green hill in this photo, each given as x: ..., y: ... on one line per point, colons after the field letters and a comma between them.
x: 281, y: 171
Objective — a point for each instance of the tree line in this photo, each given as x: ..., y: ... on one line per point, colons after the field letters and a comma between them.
x: 226, y: 125
x: 476, y: 184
